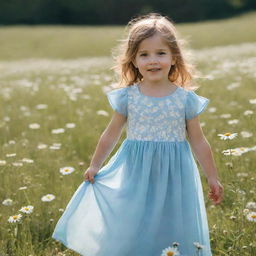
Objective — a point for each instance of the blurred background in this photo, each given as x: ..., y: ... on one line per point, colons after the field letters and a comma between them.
x: 55, y: 68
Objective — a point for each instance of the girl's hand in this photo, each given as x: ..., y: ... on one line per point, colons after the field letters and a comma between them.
x: 216, y: 191
x: 90, y: 173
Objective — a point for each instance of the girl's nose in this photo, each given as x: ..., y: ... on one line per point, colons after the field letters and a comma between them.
x: 153, y: 60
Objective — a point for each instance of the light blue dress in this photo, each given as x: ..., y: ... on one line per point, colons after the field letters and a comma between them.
x: 149, y: 194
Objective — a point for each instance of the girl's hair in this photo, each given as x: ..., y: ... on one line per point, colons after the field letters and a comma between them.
x: 140, y: 28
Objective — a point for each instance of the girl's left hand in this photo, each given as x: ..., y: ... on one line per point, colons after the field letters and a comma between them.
x: 216, y: 191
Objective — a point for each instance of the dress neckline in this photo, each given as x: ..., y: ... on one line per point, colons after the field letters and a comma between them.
x: 157, y: 98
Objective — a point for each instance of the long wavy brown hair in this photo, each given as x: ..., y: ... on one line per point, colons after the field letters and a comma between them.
x: 145, y: 26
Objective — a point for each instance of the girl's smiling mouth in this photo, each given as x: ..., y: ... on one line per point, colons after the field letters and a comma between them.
x: 154, y: 69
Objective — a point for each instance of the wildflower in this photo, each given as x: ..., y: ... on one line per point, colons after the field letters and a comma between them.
x: 228, y: 152
x: 7, y: 202
x: 41, y: 106
x: 251, y: 205
x: 41, y: 146
x: 170, y: 251
x: 15, y: 218
x: 248, y: 112
x: 23, y: 188
x: 102, y: 112
x: 234, y: 121
x: 26, y: 160
x: 225, y: 115
x: 2, y: 162
x: 246, y: 134
x: 252, y: 101
x: 66, y: 170
x: 11, y: 155
x: 251, y: 216
x: 227, y: 135
x: 12, y: 142
x: 212, y: 109
x: 17, y: 164
x: 70, y: 125
x: 34, y: 126
x: 58, y: 131
x: 27, y: 209
x: 48, y: 198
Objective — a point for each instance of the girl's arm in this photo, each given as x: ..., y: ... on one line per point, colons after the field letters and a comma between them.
x: 108, y: 140
x: 203, y: 153
x: 201, y: 148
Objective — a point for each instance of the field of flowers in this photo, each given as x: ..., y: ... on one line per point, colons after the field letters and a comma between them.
x: 52, y: 113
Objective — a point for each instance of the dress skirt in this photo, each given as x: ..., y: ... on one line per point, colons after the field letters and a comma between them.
x: 148, y: 196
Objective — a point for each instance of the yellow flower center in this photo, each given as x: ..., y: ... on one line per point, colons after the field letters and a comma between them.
x: 170, y: 253
x: 227, y: 134
x: 253, y: 216
x: 26, y: 208
x: 15, y: 217
x: 66, y: 170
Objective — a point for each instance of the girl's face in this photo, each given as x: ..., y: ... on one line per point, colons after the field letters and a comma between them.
x: 154, y: 59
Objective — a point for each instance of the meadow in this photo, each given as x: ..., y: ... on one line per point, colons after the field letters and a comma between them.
x: 53, y: 109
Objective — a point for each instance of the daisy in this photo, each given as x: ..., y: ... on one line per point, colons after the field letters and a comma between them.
x: 14, y: 218
x: 42, y: 146
x: 2, y: 162
x: 251, y: 205
x: 234, y: 121
x: 70, y: 125
x: 102, y: 112
x: 170, y: 251
x: 11, y: 155
x: 248, y: 112
x: 34, y: 126
x: 229, y: 152
x: 23, y: 188
x: 27, y: 209
x: 7, y: 202
x: 58, y: 131
x: 41, y: 106
x: 227, y: 135
x: 26, y: 160
x: 17, y: 164
x: 252, y: 101
x: 246, y: 134
x: 225, y: 115
x: 251, y: 216
x: 66, y: 170
x: 48, y: 198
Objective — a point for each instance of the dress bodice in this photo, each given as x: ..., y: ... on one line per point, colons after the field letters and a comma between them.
x: 156, y: 118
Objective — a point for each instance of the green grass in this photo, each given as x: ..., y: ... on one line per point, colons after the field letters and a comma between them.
x: 73, y: 90
x: 68, y: 42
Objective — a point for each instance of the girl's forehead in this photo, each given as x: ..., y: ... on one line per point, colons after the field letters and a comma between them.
x: 155, y: 41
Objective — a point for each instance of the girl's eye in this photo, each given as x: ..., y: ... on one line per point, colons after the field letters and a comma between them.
x: 143, y: 54
x: 161, y: 53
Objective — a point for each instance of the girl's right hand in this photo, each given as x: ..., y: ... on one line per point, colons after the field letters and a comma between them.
x: 90, y: 173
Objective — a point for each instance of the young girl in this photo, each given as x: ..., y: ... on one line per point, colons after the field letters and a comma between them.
x: 149, y: 195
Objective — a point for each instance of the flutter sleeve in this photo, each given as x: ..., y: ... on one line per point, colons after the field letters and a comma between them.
x: 195, y: 105
x: 118, y: 100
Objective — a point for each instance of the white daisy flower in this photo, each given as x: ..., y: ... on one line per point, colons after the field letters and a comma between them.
x: 12, y: 142
x: 225, y: 116
x: 2, y: 162
x: 11, y: 155
x: 234, y: 121
x: 70, y: 125
x: 41, y: 106
x: 251, y: 205
x: 27, y: 209
x: 7, y: 202
x: 58, y: 131
x: 61, y: 210
x: 227, y: 135
x: 102, y: 112
x: 251, y: 216
x: 198, y: 245
x: 15, y: 218
x: 66, y: 170
x: 42, y: 146
x: 212, y: 109
x: 23, y: 188
x: 228, y: 152
x: 242, y: 174
x: 248, y: 112
x: 48, y: 198
x: 27, y: 160
x: 252, y: 101
x: 170, y: 251
x: 246, y: 134
x: 34, y: 126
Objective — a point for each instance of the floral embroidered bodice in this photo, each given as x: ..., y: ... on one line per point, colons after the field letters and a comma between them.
x: 156, y: 118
